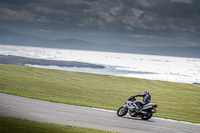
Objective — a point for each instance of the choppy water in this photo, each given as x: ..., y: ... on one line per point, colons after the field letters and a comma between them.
x: 175, y: 69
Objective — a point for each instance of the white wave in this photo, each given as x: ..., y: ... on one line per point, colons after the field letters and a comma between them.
x: 175, y: 69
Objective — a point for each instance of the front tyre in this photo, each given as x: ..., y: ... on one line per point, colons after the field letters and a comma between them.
x: 147, y: 116
x: 122, y: 111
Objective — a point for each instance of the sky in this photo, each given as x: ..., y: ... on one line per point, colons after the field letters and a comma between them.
x: 127, y: 22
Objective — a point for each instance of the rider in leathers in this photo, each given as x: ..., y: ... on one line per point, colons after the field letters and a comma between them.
x: 146, y: 99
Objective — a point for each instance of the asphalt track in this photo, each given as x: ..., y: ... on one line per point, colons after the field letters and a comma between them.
x: 37, y: 110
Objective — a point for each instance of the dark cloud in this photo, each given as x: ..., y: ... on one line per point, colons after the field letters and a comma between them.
x: 167, y: 20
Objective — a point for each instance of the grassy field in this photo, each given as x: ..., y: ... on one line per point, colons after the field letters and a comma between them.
x: 175, y: 100
x: 15, y: 125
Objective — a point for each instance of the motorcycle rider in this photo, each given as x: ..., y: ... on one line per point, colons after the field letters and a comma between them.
x: 146, y: 99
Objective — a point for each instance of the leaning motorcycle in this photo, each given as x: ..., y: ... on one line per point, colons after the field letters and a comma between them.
x: 145, y: 112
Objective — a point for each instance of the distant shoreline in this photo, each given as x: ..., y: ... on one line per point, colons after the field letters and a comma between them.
x: 17, y: 60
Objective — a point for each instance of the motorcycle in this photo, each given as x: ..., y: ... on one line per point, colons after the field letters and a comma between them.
x: 145, y: 112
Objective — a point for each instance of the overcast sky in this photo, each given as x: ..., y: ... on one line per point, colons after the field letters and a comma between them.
x: 128, y: 22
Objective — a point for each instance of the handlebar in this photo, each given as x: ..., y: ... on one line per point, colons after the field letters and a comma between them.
x: 132, y: 99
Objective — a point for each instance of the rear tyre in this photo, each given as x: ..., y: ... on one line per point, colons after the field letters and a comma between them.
x: 147, y: 116
x: 122, y: 111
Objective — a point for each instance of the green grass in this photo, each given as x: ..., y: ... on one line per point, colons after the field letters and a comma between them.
x: 15, y: 125
x: 175, y: 100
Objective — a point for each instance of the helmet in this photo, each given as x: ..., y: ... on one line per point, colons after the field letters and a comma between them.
x: 146, y: 92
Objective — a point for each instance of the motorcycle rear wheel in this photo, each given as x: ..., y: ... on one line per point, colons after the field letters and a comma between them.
x: 148, y: 116
x: 122, y: 111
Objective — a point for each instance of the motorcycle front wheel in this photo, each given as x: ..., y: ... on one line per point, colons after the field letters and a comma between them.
x: 122, y: 111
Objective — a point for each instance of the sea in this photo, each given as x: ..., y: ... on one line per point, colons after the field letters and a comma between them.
x: 153, y: 67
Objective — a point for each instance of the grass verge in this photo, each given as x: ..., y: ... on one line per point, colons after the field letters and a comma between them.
x: 176, y: 101
x: 16, y: 125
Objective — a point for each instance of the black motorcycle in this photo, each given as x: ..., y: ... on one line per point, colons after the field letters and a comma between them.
x: 145, y: 112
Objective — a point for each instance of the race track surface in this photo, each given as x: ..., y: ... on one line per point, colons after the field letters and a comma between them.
x: 37, y: 110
